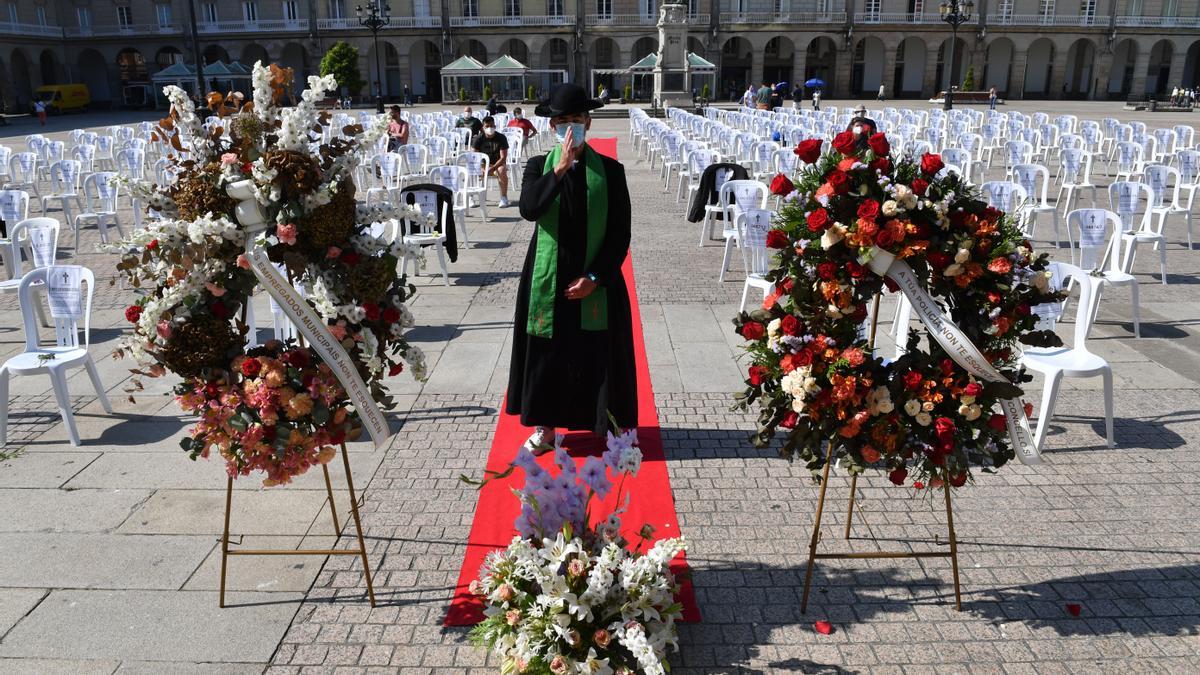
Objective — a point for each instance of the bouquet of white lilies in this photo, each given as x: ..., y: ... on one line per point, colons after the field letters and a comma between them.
x: 568, y: 596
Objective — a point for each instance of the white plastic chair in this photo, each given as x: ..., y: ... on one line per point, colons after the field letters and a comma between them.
x: 1075, y: 174
x: 698, y: 161
x: 23, y: 173
x: 100, y: 193
x: 454, y: 178
x: 1124, y: 199
x: 711, y: 211
x: 1166, y: 183
x: 755, y: 223
x: 738, y: 196
x: 1035, y: 178
x: 64, y: 187
x: 1074, y: 361
x: 387, y: 171
x: 426, y: 235
x: 66, y: 353
x: 1100, y: 251
x: 1004, y: 195
x: 478, y: 166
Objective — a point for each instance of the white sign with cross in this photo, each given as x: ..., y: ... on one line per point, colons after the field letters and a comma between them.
x: 63, y: 292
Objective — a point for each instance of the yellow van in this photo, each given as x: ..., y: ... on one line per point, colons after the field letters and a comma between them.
x: 62, y: 98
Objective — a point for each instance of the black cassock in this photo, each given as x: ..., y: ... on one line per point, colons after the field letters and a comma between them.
x: 575, y: 378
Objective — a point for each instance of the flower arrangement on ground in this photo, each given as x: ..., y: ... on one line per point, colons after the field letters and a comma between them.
x: 190, y: 262
x: 812, y: 372
x: 570, y: 594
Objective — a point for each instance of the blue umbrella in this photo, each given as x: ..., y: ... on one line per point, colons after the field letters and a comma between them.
x: 815, y: 83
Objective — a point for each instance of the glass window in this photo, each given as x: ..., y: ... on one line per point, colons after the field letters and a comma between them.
x: 1045, y: 7
x: 210, y: 12
x: 1170, y: 8
x: 1087, y: 9
x: 512, y: 7
x: 163, y: 12
x: 604, y: 7
x: 291, y: 12
x: 124, y: 16
x: 41, y: 15
x: 84, y: 16
x: 337, y: 9
x: 554, y: 7
x: 470, y: 8
x: 250, y: 10
x: 12, y: 13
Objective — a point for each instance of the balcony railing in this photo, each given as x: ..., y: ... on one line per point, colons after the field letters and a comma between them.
x: 35, y: 29
x: 896, y: 17
x: 1040, y: 20
x: 500, y: 21
x: 621, y: 20
x: 782, y: 17
x: 117, y: 29
x: 261, y: 26
x: 1159, y: 21
x: 351, y: 23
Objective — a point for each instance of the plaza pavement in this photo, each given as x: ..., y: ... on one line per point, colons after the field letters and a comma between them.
x: 109, y: 552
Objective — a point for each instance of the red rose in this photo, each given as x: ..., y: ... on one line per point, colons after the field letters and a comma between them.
x: 777, y: 239
x: 997, y: 422
x: 991, y: 213
x: 152, y: 245
x: 391, y: 315
x: 1023, y: 309
x: 918, y: 485
x: 1000, y: 265
x: 247, y: 167
x: 846, y: 143
x: 959, y: 479
x: 757, y: 375
x: 791, y: 325
x: 884, y: 238
x: 879, y: 144
x: 973, y: 389
x: 947, y: 367
x: 818, y: 220
x: 919, y: 186
x: 219, y: 309
x: 133, y: 313
x: 396, y: 369
x: 891, y: 285
x: 898, y: 476
x: 809, y: 151
x: 931, y: 163
x: 372, y: 311
x: 856, y: 271
x: 826, y: 270
x: 869, y: 209
x: 350, y: 258
x: 882, y: 165
x: 781, y: 185
x: 296, y: 358
x: 938, y: 260
x: 753, y: 330
x: 802, y: 358
x: 839, y: 181
x: 789, y: 420
x: 251, y: 367
x: 912, y: 379
x: 944, y: 428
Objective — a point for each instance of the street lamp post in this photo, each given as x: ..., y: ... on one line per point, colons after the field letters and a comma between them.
x: 375, y: 15
x: 955, y: 13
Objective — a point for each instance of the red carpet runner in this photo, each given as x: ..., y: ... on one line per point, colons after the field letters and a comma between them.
x: 652, y: 500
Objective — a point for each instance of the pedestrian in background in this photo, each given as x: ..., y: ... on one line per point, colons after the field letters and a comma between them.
x: 39, y: 107
x: 816, y: 99
x: 992, y: 98
x: 880, y: 96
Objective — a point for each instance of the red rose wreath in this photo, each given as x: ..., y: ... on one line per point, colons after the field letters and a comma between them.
x: 923, y: 415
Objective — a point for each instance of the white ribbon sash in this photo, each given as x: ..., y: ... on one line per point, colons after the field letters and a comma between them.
x: 304, y: 317
x: 958, y: 346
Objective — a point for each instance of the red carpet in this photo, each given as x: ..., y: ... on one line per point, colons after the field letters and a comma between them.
x: 652, y: 500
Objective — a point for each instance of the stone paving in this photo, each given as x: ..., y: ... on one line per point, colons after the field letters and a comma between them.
x: 109, y: 553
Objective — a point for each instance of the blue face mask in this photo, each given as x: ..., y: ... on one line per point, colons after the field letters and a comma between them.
x: 580, y: 132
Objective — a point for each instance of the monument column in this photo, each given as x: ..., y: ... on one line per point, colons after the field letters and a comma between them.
x: 671, y: 73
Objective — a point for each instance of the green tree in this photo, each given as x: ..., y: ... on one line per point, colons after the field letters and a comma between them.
x: 487, y: 92
x: 706, y: 92
x: 628, y: 92
x: 341, y: 61
x: 530, y: 93
x: 969, y: 79
x: 462, y: 94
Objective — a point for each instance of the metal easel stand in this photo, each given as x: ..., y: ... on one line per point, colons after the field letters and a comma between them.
x: 813, y: 556
x: 360, y: 551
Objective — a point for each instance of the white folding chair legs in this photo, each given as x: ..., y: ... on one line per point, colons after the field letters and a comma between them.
x: 94, y: 376
x: 1050, y: 398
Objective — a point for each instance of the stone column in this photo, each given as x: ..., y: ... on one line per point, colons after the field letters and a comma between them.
x: 799, y: 63
x: 756, y: 67
x: 1139, y: 87
x: 1016, y: 78
x: 1101, y: 72
x: 1178, y: 60
x: 842, y: 69
x: 1058, y: 72
x: 930, y: 84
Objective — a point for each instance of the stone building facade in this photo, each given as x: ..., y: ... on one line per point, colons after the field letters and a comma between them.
x: 1091, y: 49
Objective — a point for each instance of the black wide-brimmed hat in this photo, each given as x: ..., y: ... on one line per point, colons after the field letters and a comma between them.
x: 566, y: 99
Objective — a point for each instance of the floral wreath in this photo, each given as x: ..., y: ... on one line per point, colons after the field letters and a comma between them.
x: 812, y: 372
x: 275, y: 408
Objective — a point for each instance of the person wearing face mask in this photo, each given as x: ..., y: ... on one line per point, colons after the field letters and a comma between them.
x: 518, y: 121
x: 495, y: 146
x: 572, y: 348
x: 469, y: 120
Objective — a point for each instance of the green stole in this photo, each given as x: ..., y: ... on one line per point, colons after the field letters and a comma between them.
x: 543, y: 281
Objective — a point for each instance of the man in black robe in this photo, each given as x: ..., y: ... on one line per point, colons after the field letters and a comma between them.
x: 572, y: 352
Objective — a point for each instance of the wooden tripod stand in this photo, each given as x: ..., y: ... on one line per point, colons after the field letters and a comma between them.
x: 813, y: 556
x: 360, y: 551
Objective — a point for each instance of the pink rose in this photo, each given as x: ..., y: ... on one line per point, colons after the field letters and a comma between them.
x: 243, y: 262
x: 338, y: 331
x: 229, y: 158
x: 286, y: 233
x: 214, y: 289
x: 164, y: 329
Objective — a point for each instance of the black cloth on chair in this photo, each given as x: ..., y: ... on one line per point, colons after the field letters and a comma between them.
x: 445, y: 199
x: 709, y: 192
